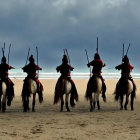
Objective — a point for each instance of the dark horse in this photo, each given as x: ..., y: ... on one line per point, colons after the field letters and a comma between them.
x: 63, y: 87
x: 4, y: 96
x: 94, y: 87
x: 28, y: 90
x: 124, y: 87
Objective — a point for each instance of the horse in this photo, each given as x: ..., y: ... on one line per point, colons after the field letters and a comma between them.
x: 63, y: 87
x: 125, y: 88
x: 31, y: 89
x: 3, y: 96
x: 94, y: 89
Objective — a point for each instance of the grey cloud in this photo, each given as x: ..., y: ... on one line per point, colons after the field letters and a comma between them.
x: 74, y: 24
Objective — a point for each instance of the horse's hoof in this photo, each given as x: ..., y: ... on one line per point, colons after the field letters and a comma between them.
x: 24, y: 110
x: 3, y: 110
x: 61, y: 110
x: 68, y: 110
x: 91, y: 110
x: 132, y: 109
x: 9, y: 103
x: 125, y: 108
x: 121, y: 108
x: 28, y: 108
x: 33, y: 110
x: 99, y: 108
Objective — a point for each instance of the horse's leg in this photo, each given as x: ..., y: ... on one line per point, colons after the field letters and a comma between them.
x: 0, y: 102
x: 24, y: 103
x: 132, y: 102
x: 33, y: 104
x: 66, y: 101
x: 28, y: 103
x: 126, y: 102
x: 98, y: 103
x: 121, y: 102
x: 92, y: 104
x: 4, y: 103
x: 62, y: 104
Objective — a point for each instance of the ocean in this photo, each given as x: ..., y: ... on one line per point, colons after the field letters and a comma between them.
x: 19, y: 75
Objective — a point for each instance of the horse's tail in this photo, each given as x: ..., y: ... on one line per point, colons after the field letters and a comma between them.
x: 88, y: 95
x: 117, y: 91
x: 40, y: 97
x: 133, y: 93
x: 59, y: 90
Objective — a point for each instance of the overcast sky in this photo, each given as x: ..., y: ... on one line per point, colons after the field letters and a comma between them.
x: 73, y: 24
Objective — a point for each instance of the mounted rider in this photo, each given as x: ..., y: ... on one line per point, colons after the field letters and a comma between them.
x: 125, y: 68
x: 65, y: 70
x: 4, y: 67
x: 31, y: 69
x: 97, y: 64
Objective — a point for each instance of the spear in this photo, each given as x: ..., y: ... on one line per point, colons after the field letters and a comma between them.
x: 97, y: 45
x: 123, y: 52
x: 2, y: 51
x: 128, y: 49
x: 68, y: 56
x: 27, y: 56
x: 88, y: 61
x: 4, y: 47
x: 9, y: 53
x: 64, y: 51
x: 37, y: 58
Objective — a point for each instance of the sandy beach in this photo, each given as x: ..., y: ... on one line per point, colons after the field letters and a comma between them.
x: 47, y: 123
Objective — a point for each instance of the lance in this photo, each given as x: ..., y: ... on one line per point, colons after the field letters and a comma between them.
x: 68, y: 56
x: 97, y: 45
x: 4, y: 47
x: 88, y: 61
x: 37, y: 58
x: 9, y: 53
x: 64, y: 51
x: 2, y: 51
x: 27, y: 56
x: 128, y: 49
x: 123, y: 52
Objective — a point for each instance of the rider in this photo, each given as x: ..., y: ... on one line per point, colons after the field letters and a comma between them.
x: 97, y: 64
x: 65, y: 70
x: 31, y: 69
x: 4, y: 67
x: 125, y: 68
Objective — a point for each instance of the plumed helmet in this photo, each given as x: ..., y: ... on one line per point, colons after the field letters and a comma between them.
x: 31, y: 59
x: 125, y: 59
x: 96, y: 56
x: 3, y: 60
x: 65, y: 59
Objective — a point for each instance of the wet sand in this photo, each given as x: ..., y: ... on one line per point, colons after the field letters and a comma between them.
x: 47, y: 123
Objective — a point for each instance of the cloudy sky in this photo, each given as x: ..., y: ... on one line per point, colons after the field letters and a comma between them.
x: 53, y: 25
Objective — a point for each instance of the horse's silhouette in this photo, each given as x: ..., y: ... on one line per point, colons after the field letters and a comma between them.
x: 28, y: 90
x: 94, y: 89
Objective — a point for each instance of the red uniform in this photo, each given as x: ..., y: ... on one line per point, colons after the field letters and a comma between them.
x: 97, y: 64
x: 125, y: 68
x: 4, y: 77
x: 65, y: 70
x: 31, y: 69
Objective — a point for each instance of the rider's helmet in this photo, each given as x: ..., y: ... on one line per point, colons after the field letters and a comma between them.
x: 65, y: 59
x: 125, y: 59
x: 3, y: 60
x: 31, y: 59
x: 96, y: 56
